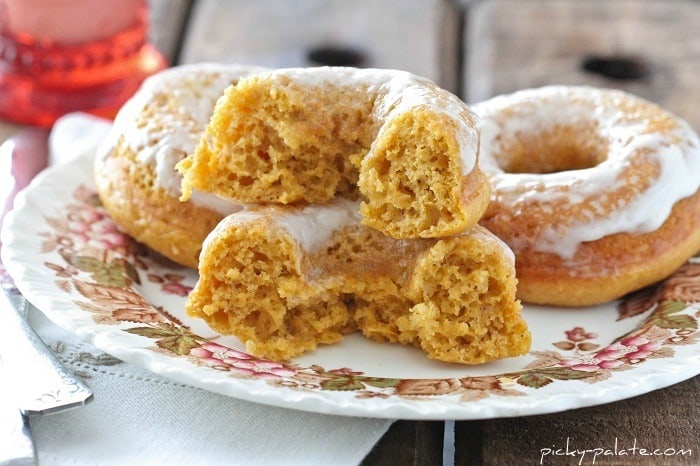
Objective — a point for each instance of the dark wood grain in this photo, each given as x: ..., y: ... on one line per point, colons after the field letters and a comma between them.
x: 409, y: 443
x: 664, y: 419
x: 514, y: 44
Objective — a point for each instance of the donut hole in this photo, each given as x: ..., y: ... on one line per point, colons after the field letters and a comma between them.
x: 560, y: 149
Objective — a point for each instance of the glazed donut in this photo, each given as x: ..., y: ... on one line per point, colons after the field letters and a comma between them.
x: 134, y: 168
x: 596, y: 191
x: 311, y: 134
x: 286, y: 279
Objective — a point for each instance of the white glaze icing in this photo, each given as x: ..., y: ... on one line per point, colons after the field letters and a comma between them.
x: 169, y: 136
x: 314, y: 225
x: 485, y: 236
x: 396, y: 92
x: 311, y: 226
x: 677, y: 154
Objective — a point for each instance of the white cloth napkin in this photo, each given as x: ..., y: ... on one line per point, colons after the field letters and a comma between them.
x: 138, y: 417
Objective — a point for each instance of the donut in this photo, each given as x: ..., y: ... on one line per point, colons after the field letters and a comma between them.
x: 134, y: 168
x: 595, y: 190
x: 286, y: 279
x: 403, y: 145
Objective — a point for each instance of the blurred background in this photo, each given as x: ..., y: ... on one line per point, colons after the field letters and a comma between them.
x: 475, y: 48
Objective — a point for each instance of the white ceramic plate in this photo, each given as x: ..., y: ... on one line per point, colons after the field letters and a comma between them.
x: 69, y: 260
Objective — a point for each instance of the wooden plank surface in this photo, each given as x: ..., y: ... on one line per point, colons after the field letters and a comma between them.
x: 664, y: 423
x: 515, y: 44
x: 169, y: 21
x: 657, y: 428
x: 409, y: 443
x: 421, y: 36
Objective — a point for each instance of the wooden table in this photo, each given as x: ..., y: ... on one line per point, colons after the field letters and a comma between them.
x: 476, y: 49
x: 667, y: 418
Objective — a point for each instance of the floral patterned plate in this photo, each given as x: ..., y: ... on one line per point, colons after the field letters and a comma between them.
x: 71, y: 261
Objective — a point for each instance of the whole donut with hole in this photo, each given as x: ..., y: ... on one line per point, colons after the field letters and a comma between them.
x: 595, y: 190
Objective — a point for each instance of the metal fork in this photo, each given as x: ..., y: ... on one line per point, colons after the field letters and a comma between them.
x: 40, y: 382
x: 34, y: 381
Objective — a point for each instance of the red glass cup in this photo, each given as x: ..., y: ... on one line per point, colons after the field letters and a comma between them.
x: 60, y: 56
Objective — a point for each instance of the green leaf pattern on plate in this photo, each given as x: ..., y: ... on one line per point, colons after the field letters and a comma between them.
x: 102, y: 265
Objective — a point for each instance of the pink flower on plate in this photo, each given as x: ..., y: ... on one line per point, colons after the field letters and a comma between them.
x: 629, y: 350
x: 579, y: 334
x: 590, y: 364
x: 104, y: 233
x: 632, y: 349
x: 228, y: 359
x: 95, y: 229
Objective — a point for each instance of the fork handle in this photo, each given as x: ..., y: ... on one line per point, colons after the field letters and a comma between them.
x: 40, y: 382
